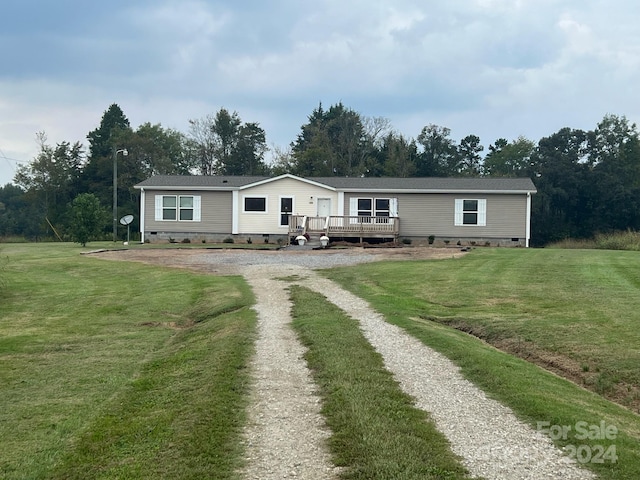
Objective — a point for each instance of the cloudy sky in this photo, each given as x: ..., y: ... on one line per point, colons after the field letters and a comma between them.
x: 493, y: 68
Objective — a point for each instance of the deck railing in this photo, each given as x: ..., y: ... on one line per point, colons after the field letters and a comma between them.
x: 345, y: 226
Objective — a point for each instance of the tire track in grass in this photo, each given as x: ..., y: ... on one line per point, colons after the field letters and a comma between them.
x: 487, y: 435
x: 377, y: 431
x: 285, y: 435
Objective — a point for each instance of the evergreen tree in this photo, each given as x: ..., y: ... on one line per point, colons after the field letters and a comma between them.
x: 438, y: 157
x: 113, y: 133
x: 563, y: 206
x: 469, y: 159
x: 333, y: 142
x: 104, y: 139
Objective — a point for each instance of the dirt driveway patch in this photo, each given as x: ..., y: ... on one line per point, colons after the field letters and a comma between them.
x: 231, y: 261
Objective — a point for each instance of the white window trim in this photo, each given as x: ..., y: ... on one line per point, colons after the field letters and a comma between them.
x: 252, y: 212
x: 159, y: 208
x: 375, y: 210
x: 353, y: 207
x: 458, y: 219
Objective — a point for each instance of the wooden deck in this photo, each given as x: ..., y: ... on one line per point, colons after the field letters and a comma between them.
x: 345, y: 226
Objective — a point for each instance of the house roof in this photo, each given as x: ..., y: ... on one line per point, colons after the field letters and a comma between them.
x: 194, y: 181
x: 352, y: 184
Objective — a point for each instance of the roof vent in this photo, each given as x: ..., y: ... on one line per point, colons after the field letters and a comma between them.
x: 224, y: 181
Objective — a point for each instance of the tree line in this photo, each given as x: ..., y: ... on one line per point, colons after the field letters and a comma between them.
x: 588, y: 181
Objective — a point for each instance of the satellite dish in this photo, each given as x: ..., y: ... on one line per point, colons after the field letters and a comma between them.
x: 126, y: 220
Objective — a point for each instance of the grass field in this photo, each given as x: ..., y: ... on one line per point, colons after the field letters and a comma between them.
x: 575, y: 307
x: 113, y: 370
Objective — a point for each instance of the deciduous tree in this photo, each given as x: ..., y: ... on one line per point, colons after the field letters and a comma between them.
x: 615, y: 157
x: 88, y: 218
x: 509, y: 159
x: 223, y: 145
x: 51, y: 179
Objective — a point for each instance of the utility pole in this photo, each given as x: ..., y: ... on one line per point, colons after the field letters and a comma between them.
x: 115, y: 189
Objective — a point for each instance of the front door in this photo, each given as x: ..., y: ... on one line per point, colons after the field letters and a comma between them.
x: 286, y: 209
x: 324, y: 207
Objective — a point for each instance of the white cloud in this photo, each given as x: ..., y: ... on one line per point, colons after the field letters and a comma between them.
x: 496, y: 68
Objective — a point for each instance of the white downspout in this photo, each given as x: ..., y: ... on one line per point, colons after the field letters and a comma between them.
x: 142, y: 208
x: 528, y: 226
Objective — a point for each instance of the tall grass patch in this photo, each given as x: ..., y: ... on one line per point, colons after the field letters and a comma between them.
x: 377, y: 432
x: 117, y: 370
x: 627, y: 240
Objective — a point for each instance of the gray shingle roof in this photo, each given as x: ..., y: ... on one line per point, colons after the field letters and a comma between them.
x: 349, y: 183
x: 221, y: 181
x: 429, y: 183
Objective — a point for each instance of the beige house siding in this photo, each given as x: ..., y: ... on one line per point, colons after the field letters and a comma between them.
x: 305, y: 197
x: 422, y: 215
x: 215, y: 212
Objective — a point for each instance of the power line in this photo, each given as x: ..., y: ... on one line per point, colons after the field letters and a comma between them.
x: 9, y: 160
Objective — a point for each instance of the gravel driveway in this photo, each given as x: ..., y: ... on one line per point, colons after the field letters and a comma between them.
x: 286, y: 435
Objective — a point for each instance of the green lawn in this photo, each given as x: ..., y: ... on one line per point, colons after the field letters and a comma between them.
x: 578, y: 307
x: 115, y: 370
x: 377, y: 432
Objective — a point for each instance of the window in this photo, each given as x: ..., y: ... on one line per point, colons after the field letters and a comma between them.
x: 470, y: 212
x: 255, y: 204
x: 365, y: 207
x: 381, y: 208
x: 178, y: 207
x: 186, y: 208
x: 169, y: 207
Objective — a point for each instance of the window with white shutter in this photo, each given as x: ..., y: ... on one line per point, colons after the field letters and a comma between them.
x: 470, y: 212
x: 183, y: 208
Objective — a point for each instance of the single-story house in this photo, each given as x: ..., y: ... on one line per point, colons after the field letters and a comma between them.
x: 495, y: 211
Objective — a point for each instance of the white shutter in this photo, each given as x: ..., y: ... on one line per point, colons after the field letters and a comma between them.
x: 158, y: 208
x: 458, y: 217
x: 393, y: 207
x: 196, y: 208
x: 482, y: 212
x: 353, y: 210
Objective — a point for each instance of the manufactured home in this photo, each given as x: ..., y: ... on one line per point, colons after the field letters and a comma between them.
x: 483, y: 211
